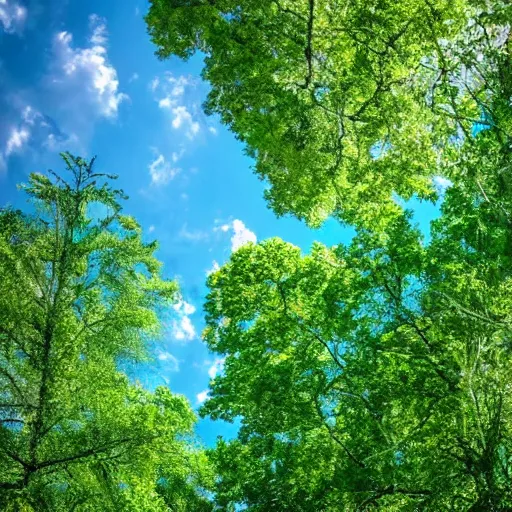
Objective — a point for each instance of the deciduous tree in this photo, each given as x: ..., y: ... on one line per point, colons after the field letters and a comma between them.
x: 79, y: 294
x: 375, y: 374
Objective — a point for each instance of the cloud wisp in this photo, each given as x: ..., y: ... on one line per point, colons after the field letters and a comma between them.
x: 241, y: 235
x: 170, y: 95
x: 78, y: 87
x: 162, y: 171
x: 203, y: 396
x: 85, y: 75
x: 216, y: 367
x: 171, y: 363
x: 182, y: 327
x: 12, y: 16
x: 29, y: 128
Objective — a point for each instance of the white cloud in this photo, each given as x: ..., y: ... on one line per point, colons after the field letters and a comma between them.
x: 212, y: 130
x: 216, y: 368
x: 176, y: 155
x: 203, y: 396
x: 241, y: 235
x: 86, y: 72
x: 154, y: 84
x: 166, y: 93
x: 16, y: 140
x: 99, y: 30
x: 79, y: 86
x: 215, y: 266
x: 185, y: 307
x: 135, y: 76
x: 182, y: 327
x: 441, y: 184
x: 171, y: 361
x: 151, y: 229
x: 177, y: 85
x: 165, y: 102
x: 223, y: 227
x: 161, y: 171
x: 182, y: 117
x: 29, y: 115
x: 12, y: 16
x: 31, y: 127
x: 183, y: 330
x: 171, y: 98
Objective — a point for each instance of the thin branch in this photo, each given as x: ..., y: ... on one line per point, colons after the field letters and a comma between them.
x: 308, y: 51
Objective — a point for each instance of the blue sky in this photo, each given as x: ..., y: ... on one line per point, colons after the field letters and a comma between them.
x: 82, y: 76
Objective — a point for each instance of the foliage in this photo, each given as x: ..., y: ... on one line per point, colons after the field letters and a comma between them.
x: 373, y: 375
x: 79, y: 294
x: 344, y: 104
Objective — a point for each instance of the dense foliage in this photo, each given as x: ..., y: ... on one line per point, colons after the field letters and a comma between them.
x: 79, y: 293
x: 374, y: 373
x: 378, y: 374
x: 317, y: 89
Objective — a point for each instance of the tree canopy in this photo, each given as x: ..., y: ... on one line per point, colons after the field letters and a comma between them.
x: 345, y: 104
x: 79, y: 293
x: 374, y: 374
x: 369, y: 375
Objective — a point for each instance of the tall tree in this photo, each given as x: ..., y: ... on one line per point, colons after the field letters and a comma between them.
x: 375, y: 374
x: 345, y: 103
x: 79, y: 294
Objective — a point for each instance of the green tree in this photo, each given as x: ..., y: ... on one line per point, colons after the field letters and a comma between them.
x: 79, y: 294
x: 373, y: 375
x: 376, y: 374
x: 345, y: 103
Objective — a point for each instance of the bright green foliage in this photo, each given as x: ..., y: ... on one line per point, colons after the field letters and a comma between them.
x: 344, y: 103
x: 79, y: 292
x: 375, y: 375
x: 371, y: 375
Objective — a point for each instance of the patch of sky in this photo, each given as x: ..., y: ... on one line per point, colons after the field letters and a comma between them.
x: 321, y: 92
x: 379, y: 149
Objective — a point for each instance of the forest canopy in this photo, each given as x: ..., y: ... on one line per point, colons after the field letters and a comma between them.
x: 374, y: 374
x: 344, y: 104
